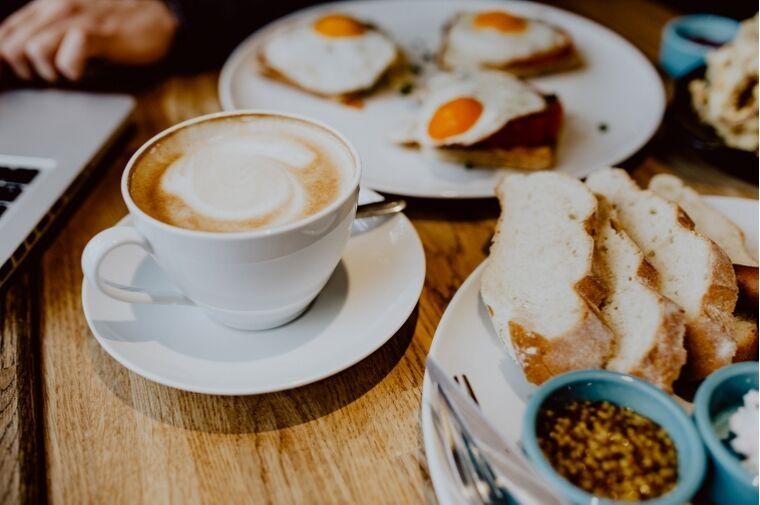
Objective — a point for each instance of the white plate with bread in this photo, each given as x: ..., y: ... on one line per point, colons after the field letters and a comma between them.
x: 381, y: 72
x: 599, y: 275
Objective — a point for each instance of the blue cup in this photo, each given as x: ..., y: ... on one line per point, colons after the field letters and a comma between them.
x: 681, y: 50
x: 625, y: 391
x: 728, y: 483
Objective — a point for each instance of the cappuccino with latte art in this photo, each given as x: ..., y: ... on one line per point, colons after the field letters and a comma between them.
x: 239, y: 173
x: 247, y: 213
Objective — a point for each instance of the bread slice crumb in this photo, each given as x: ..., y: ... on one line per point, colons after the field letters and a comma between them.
x: 695, y: 272
x: 649, y: 328
x: 707, y: 221
x: 538, y: 285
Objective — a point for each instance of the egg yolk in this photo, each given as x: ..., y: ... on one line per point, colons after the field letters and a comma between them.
x: 454, y: 117
x: 501, y: 21
x: 339, y: 25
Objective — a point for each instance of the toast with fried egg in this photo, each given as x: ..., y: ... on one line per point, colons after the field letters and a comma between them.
x: 487, y: 119
x: 333, y: 56
x: 504, y: 41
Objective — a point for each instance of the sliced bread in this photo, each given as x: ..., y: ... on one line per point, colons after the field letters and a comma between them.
x: 707, y: 221
x: 649, y: 328
x: 538, y: 285
x: 695, y: 272
x: 745, y: 334
x: 746, y: 280
x: 745, y: 326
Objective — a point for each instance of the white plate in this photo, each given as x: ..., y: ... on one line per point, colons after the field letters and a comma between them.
x: 371, y: 294
x: 616, y: 86
x: 466, y: 343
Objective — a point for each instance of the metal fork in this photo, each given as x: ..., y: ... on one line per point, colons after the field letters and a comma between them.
x: 463, y: 381
x: 477, y: 479
x: 446, y: 437
x: 481, y: 467
x: 474, y: 455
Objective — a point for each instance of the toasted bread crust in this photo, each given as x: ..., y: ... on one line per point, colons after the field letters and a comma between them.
x: 746, y: 337
x: 710, y: 339
x: 707, y: 353
x: 710, y: 343
x: 663, y: 363
x: 589, y: 345
x: 591, y: 290
x: 521, y: 158
x: 565, y: 58
x: 724, y: 291
x: 746, y: 279
x: 648, y: 275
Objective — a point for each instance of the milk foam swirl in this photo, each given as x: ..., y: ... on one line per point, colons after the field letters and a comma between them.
x: 242, y: 177
x: 241, y: 173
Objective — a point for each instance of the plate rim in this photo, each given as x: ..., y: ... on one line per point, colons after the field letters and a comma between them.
x: 418, y: 250
x: 437, y: 470
x: 224, y: 87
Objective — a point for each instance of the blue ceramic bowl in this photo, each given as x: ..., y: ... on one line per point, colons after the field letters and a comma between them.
x: 728, y: 482
x: 626, y: 391
x: 681, y: 52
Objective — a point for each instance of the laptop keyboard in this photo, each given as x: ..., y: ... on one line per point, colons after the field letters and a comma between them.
x: 12, y: 182
x: 18, y: 175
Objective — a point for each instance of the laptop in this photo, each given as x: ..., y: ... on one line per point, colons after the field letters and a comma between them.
x: 49, y: 142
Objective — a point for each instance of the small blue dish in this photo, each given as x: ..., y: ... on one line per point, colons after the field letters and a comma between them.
x: 687, y: 39
x: 625, y: 391
x: 728, y: 482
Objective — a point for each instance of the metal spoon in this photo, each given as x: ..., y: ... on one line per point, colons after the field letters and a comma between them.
x: 380, y: 208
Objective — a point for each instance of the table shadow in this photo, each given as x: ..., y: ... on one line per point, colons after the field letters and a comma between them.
x: 465, y: 209
x: 254, y: 413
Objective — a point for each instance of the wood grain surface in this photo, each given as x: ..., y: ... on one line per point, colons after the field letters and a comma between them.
x: 21, y: 442
x: 107, y: 435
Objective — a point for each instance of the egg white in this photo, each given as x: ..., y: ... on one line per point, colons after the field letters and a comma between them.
x: 503, y: 97
x: 466, y: 45
x: 330, y: 66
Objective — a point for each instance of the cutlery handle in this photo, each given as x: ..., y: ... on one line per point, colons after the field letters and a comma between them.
x: 381, y: 208
x: 100, y: 246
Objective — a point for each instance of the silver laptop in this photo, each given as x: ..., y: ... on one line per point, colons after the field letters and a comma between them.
x: 48, y: 141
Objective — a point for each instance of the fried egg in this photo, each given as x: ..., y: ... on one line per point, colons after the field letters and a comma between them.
x: 496, y: 39
x: 332, y: 55
x: 464, y: 109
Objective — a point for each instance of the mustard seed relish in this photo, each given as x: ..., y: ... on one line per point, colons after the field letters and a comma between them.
x: 608, y: 450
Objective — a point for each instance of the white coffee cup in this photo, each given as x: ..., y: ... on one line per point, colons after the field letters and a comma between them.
x: 256, y: 279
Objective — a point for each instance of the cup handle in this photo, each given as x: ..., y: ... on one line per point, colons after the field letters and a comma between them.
x: 100, y: 246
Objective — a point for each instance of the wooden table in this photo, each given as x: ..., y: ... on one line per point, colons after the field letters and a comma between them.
x: 76, y: 427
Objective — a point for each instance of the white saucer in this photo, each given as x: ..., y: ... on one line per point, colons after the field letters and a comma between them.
x: 370, y: 295
x: 616, y: 87
x: 466, y: 343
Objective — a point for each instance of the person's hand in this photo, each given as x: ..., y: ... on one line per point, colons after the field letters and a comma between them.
x: 53, y: 38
